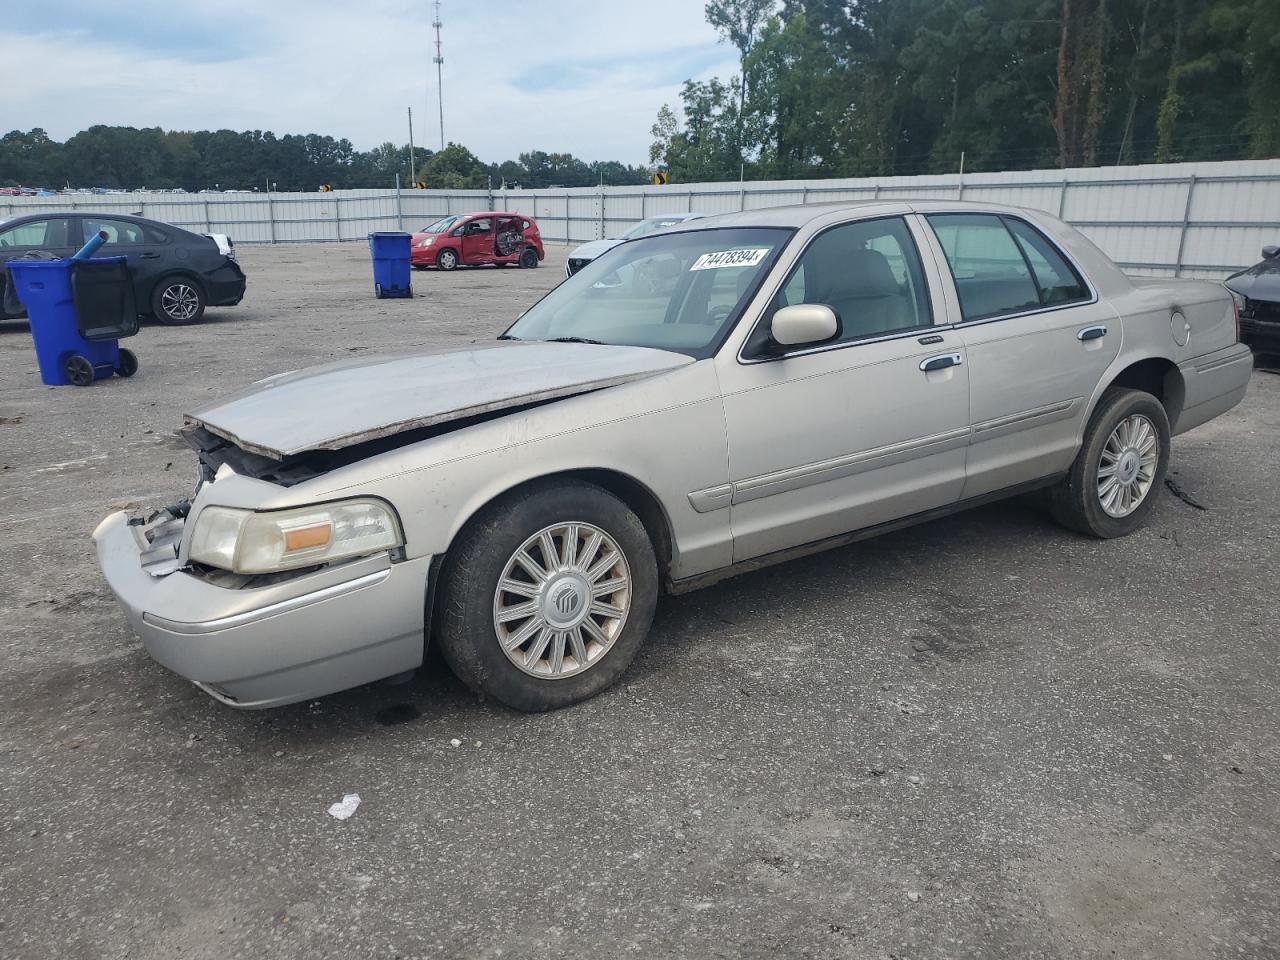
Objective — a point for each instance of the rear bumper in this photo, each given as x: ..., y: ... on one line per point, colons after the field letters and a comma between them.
x: 1260, y: 332
x: 1214, y: 383
x: 264, y: 647
x: 226, y: 285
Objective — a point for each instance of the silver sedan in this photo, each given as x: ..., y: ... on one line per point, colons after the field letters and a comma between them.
x: 715, y: 398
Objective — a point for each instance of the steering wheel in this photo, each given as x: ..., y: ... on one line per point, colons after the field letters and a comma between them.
x: 720, y: 314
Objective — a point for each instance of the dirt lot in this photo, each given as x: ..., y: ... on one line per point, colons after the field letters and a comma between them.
x: 983, y: 737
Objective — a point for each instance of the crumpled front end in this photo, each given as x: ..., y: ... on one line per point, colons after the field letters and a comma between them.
x: 266, y: 640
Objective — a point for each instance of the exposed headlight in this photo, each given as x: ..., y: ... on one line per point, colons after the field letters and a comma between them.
x: 245, y: 541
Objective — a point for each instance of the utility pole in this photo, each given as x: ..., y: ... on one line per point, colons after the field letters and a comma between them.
x: 439, y: 61
x: 413, y: 176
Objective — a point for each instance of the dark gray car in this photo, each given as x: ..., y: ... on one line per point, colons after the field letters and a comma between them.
x: 176, y: 273
x: 1257, y: 293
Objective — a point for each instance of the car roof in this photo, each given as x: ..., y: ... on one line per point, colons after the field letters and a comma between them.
x: 797, y: 215
x: 130, y: 217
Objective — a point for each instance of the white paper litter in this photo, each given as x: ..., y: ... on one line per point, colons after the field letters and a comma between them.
x: 344, y: 809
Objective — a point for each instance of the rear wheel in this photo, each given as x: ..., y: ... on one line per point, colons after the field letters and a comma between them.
x: 447, y: 260
x: 178, y: 301
x: 128, y: 363
x: 547, y: 596
x: 529, y: 259
x: 1113, y: 483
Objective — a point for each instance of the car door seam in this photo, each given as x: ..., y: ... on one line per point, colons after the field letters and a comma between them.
x: 1023, y: 419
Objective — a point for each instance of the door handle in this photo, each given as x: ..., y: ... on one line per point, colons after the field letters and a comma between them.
x: 941, y: 362
x: 1091, y: 333
x: 151, y: 256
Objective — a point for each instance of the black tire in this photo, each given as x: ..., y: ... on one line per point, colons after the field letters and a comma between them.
x: 529, y: 259
x: 447, y: 260
x: 476, y: 562
x: 128, y: 363
x: 1076, y: 502
x: 178, y: 301
x: 78, y: 370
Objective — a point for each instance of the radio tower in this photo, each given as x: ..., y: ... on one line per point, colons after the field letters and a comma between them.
x: 439, y: 60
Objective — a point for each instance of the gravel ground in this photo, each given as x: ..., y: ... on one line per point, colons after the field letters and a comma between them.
x: 982, y: 737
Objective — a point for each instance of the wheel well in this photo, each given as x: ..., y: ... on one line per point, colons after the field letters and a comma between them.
x: 1158, y: 377
x: 630, y: 491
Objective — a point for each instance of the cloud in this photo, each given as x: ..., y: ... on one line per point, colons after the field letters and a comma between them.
x: 572, y: 75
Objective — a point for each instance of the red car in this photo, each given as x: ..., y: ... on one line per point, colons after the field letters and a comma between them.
x: 474, y: 239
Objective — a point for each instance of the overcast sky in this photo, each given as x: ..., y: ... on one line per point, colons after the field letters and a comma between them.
x: 556, y: 75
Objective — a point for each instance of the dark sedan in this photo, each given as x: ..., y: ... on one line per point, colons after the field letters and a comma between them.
x: 1257, y: 293
x: 176, y: 273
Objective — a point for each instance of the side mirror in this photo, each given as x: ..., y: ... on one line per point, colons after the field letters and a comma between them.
x: 804, y: 323
x: 1270, y: 252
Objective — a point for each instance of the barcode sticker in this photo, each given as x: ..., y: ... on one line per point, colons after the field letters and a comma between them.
x: 730, y: 258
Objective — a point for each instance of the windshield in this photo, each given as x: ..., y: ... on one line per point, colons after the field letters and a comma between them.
x: 649, y: 226
x: 678, y: 291
x: 440, y: 226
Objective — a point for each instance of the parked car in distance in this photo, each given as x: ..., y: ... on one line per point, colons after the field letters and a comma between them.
x: 478, y: 239
x: 759, y: 385
x: 581, y: 255
x: 1257, y: 294
x: 176, y: 273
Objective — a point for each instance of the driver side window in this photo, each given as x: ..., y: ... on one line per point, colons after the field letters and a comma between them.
x: 868, y: 273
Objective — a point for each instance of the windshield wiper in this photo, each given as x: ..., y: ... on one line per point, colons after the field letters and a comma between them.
x: 507, y: 336
x: 574, y: 340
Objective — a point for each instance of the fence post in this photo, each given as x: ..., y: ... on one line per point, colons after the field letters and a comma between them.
x: 399, y: 207
x: 208, y: 225
x: 337, y: 218
x: 691, y: 201
x: 1062, y: 196
x: 1186, y: 218
x: 271, y: 215
x: 643, y: 196
x: 804, y: 194
x: 602, y: 218
x: 566, y: 218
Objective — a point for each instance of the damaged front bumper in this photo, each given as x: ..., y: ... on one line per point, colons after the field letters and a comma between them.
x: 264, y: 646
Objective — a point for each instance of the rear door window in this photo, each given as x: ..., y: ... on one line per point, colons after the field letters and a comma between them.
x: 1002, y: 265
x: 119, y: 232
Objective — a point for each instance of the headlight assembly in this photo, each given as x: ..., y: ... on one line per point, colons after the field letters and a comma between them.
x: 246, y: 541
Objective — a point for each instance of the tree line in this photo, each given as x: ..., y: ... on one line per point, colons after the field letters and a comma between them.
x: 825, y: 88
x: 128, y: 158
x: 884, y: 87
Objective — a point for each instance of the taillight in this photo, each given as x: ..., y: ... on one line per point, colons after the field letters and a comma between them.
x: 1237, y: 304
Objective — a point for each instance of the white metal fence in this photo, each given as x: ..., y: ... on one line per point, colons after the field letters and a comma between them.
x: 1188, y: 219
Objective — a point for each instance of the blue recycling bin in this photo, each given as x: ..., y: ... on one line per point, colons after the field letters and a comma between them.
x: 63, y: 353
x: 391, y: 264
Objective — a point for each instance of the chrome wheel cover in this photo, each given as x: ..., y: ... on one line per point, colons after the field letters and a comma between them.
x: 1128, y: 464
x: 562, y: 600
x: 179, y: 301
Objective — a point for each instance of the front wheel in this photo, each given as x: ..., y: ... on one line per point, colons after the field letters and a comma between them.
x: 1113, y: 483
x: 178, y: 301
x: 447, y: 260
x: 547, y: 596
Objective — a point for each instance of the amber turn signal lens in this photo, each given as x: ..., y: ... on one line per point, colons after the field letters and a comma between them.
x: 307, y: 537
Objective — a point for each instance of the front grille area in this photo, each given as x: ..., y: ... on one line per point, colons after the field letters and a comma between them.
x: 576, y: 264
